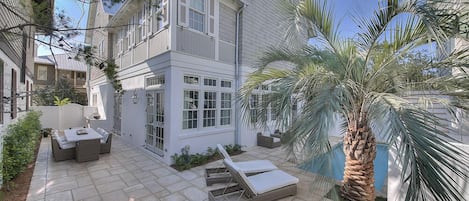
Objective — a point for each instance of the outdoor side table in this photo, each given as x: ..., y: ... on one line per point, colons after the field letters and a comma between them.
x: 87, y: 143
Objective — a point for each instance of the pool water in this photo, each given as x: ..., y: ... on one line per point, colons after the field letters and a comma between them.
x: 332, y: 164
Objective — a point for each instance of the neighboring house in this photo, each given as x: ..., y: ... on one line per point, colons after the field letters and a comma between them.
x: 181, y: 63
x: 16, y: 61
x: 48, y: 70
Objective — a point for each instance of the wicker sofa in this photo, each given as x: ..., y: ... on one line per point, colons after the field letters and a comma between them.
x: 267, y: 141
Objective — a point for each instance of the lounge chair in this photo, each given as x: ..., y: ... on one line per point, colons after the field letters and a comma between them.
x: 220, y: 175
x: 272, y: 185
x: 61, y: 149
x: 267, y: 141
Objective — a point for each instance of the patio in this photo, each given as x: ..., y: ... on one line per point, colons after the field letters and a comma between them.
x: 131, y: 173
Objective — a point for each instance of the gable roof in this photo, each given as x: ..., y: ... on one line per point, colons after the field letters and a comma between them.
x: 63, y: 62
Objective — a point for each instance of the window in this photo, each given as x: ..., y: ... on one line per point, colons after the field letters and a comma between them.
x: 197, y: 15
x: 101, y: 48
x: 210, y: 106
x: 141, y: 27
x: 225, y: 111
x: 191, y: 79
x: 130, y: 33
x: 155, y: 81
x: 159, y: 16
x: 191, y: 104
x: 81, y: 75
x: 41, y: 72
x: 254, y: 104
x: 210, y: 82
x: 95, y: 100
x: 13, y: 97
x: 225, y: 84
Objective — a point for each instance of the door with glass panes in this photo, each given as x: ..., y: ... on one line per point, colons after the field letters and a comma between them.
x: 154, y: 140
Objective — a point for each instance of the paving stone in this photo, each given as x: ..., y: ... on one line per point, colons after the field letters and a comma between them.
x: 149, y: 198
x: 161, y: 172
x: 115, y: 196
x: 84, y: 180
x: 178, y: 186
x: 107, y: 180
x: 168, y: 180
x: 99, y: 174
x: 195, y: 194
x: 153, y: 186
x: 174, y: 197
x: 84, y: 192
x: 188, y: 175
x: 58, y: 187
x: 105, y: 188
x: 62, y: 196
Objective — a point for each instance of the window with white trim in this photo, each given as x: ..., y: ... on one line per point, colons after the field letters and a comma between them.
x: 225, y: 108
x: 210, y: 82
x: 210, y: 108
x: 191, y: 105
x: 159, y: 16
x: 254, y: 107
x: 130, y: 33
x: 191, y: 79
x: 197, y: 15
x: 142, y: 23
x: 225, y: 84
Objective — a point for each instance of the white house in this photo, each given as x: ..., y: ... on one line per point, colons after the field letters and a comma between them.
x: 181, y: 63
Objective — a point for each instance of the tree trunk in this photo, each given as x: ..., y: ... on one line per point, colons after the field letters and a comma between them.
x: 360, y: 151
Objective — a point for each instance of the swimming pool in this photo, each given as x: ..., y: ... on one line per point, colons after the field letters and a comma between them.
x: 332, y: 164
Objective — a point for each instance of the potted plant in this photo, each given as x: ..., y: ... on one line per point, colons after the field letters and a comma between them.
x: 46, y: 132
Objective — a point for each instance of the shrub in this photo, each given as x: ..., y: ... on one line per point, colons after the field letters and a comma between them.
x: 186, y: 161
x: 19, y: 145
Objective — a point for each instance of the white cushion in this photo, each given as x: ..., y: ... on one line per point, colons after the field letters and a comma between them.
x: 105, y: 136
x: 268, y: 181
x: 276, y: 139
x: 223, y: 152
x: 66, y: 145
x: 100, y: 130
x: 255, y: 166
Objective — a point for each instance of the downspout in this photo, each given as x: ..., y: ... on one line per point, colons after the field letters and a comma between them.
x: 237, y: 76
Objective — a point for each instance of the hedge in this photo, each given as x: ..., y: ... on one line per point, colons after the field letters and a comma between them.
x: 19, y: 145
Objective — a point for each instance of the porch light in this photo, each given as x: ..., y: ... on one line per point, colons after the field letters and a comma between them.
x: 135, y: 97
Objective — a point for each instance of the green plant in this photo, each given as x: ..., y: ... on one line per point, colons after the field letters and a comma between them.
x: 185, y: 161
x: 19, y: 145
x: 61, y: 102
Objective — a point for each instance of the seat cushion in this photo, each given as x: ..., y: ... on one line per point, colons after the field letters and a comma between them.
x: 105, y: 135
x: 268, y: 181
x: 276, y: 139
x: 66, y: 145
x: 255, y: 166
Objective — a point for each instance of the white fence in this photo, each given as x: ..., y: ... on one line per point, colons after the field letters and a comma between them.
x: 67, y: 116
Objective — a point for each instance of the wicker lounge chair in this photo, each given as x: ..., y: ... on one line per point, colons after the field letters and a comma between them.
x: 220, y: 174
x: 265, y: 186
x: 267, y: 141
x: 60, y: 154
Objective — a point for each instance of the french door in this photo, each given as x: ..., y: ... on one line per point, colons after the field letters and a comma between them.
x: 154, y: 140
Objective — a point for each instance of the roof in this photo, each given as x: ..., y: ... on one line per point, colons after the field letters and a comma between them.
x: 111, y: 7
x: 64, y: 62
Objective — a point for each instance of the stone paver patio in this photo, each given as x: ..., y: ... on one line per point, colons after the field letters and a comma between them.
x: 129, y: 173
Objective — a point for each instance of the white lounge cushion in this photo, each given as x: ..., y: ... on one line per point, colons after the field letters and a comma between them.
x: 268, y: 181
x: 66, y: 145
x: 276, y: 139
x: 105, y: 135
x: 255, y: 166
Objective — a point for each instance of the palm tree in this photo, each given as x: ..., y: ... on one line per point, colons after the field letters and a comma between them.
x: 361, y: 81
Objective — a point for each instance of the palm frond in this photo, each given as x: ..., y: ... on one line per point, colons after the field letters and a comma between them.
x: 425, y: 156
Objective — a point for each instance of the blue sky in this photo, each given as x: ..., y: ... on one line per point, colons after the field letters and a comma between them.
x: 78, y: 12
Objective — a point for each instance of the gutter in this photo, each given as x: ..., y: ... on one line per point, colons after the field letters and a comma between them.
x: 237, y: 76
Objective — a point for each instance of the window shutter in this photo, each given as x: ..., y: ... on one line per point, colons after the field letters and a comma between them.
x: 211, y: 18
x: 183, y: 12
x: 165, y: 12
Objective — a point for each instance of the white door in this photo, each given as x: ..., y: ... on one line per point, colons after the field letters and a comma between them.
x: 155, y: 122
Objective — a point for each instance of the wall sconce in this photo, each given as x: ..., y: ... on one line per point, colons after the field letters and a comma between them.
x: 135, y: 97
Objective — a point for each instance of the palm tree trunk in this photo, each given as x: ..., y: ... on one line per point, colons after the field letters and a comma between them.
x: 360, y: 151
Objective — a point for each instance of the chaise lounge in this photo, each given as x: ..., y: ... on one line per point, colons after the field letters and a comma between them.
x: 266, y: 186
x: 267, y: 141
x: 220, y: 175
